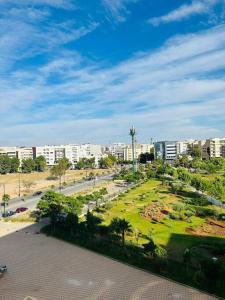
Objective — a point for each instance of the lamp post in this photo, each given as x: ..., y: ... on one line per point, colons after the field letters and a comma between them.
x: 19, y: 172
x: 132, y: 134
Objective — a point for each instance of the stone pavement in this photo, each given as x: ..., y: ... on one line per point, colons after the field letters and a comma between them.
x: 44, y: 268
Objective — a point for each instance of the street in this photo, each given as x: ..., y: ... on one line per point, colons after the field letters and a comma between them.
x: 31, y: 201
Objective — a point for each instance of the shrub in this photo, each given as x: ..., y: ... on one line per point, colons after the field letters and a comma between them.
x: 174, y: 216
x: 206, y: 212
x: 189, y: 213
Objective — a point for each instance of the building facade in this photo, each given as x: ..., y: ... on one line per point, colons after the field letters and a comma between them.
x: 166, y: 150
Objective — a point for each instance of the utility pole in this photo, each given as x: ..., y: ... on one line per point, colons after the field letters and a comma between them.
x: 132, y: 134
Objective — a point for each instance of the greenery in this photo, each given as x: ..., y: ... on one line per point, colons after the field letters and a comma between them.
x: 8, y: 165
x: 86, y: 163
x: 107, y: 162
x: 60, y: 168
x: 162, y: 246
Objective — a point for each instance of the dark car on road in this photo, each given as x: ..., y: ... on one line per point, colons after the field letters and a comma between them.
x: 8, y: 213
x: 21, y: 209
x: 37, y: 193
x: 3, y: 269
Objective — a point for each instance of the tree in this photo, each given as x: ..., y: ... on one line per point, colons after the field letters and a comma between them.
x: 5, y: 164
x: 14, y: 164
x: 51, y: 205
x: 28, y: 165
x: 196, y: 151
x: 120, y: 226
x: 28, y: 185
x: 40, y: 163
x: 107, y: 162
x: 5, y: 200
x: 145, y: 157
x: 60, y: 168
x: 92, y: 222
x: 72, y: 222
x: 182, y: 161
x: 86, y: 163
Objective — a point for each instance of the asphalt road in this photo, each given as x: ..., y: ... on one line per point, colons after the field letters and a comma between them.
x: 31, y: 201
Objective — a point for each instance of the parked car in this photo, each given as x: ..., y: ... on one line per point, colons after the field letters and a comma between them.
x: 3, y: 268
x: 8, y: 213
x: 21, y: 209
x: 37, y: 193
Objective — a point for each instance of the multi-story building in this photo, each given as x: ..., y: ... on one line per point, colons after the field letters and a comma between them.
x: 139, y: 149
x: 25, y: 153
x: 10, y: 151
x: 166, y: 150
x: 73, y: 152
x: 213, y: 148
x: 116, y: 149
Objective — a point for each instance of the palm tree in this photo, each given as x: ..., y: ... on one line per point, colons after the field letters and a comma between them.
x: 5, y: 199
x: 120, y: 226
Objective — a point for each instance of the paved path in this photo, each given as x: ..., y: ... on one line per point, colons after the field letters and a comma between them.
x: 49, y: 269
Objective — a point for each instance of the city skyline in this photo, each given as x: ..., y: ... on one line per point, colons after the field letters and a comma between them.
x: 73, y: 71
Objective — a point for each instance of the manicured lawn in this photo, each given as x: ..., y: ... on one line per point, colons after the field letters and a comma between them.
x: 166, y: 232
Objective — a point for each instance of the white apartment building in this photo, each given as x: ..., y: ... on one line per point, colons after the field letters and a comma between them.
x: 73, y: 152
x: 10, y: 151
x: 116, y: 149
x: 25, y: 153
x: 20, y: 152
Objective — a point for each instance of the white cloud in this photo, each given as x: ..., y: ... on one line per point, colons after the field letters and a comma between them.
x: 117, y: 9
x: 169, y: 93
x: 185, y: 11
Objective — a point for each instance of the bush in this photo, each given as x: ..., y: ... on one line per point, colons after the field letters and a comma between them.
x: 206, y: 212
x: 189, y: 213
x: 174, y: 216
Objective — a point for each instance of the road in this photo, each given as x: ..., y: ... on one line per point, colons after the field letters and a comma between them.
x: 31, y: 201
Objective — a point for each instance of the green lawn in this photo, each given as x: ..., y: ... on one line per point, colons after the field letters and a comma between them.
x: 169, y: 233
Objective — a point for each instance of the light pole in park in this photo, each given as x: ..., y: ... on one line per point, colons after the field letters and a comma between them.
x: 132, y: 134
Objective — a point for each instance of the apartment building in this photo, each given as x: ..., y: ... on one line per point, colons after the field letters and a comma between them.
x: 25, y: 153
x: 213, y: 148
x: 166, y: 150
x: 10, y: 151
x: 139, y: 149
x: 20, y: 152
x: 116, y: 149
x: 73, y: 152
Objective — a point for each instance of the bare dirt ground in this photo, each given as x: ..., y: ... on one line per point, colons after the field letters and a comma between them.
x: 209, y: 227
x: 45, y: 268
x: 39, y: 181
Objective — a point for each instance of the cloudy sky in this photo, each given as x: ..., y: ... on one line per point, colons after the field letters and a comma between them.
x: 74, y: 71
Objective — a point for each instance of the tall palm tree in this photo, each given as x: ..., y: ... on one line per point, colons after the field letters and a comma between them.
x: 120, y: 226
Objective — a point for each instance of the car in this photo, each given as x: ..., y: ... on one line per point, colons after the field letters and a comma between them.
x: 3, y: 268
x: 37, y: 193
x: 21, y: 209
x: 8, y: 213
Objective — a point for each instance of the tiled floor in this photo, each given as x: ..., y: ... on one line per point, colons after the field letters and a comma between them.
x: 45, y: 268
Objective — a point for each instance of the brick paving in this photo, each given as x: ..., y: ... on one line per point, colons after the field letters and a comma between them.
x: 45, y: 268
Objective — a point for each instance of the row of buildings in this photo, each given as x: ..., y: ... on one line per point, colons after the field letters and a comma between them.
x: 209, y: 148
x: 167, y: 150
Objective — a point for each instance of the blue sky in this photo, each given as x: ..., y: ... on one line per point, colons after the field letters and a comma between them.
x: 85, y: 71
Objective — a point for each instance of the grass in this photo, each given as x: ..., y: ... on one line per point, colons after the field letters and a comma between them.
x: 130, y: 205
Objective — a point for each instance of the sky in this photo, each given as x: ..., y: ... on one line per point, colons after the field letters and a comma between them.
x: 74, y: 71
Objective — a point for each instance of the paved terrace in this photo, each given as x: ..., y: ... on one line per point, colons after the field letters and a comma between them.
x: 46, y: 268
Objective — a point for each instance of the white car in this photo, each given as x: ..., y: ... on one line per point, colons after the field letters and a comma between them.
x: 3, y: 268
